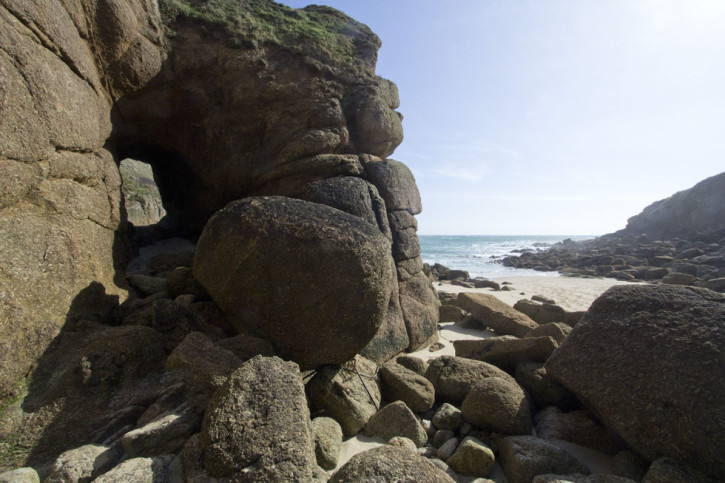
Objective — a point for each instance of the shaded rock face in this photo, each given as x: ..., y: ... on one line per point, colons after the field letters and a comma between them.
x: 223, y: 104
x: 311, y: 279
x: 644, y: 359
x: 62, y: 66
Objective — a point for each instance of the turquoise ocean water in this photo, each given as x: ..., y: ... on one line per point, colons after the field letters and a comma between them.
x: 481, y: 254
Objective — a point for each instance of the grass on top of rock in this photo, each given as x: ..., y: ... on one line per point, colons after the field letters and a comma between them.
x: 316, y: 31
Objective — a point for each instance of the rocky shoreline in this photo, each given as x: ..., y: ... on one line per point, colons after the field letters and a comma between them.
x: 219, y: 406
x: 697, y: 261
x: 283, y: 319
x: 679, y: 240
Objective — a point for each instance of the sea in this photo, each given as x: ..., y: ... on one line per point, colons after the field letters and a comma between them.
x: 481, y: 255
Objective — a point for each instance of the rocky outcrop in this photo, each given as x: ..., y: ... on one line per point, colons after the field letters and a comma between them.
x: 644, y: 359
x: 224, y: 100
x: 694, y: 210
x: 63, y: 64
x: 315, y: 280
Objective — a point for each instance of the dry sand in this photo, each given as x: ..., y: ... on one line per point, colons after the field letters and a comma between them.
x: 571, y: 293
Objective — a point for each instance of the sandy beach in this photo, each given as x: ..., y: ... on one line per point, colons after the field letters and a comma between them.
x: 571, y: 293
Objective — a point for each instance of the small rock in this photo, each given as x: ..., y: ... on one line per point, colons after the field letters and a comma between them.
x: 448, y: 417
x: 165, y: 434
x: 147, y: 284
x: 348, y: 398
x: 389, y: 463
x: 556, y: 330
x: 399, y: 383
x: 486, y: 284
x: 447, y: 449
x: 328, y: 441
x: 497, y: 315
x: 450, y: 313
x: 441, y: 436
x: 543, y: 299
x: 415, y: 364
x: 403, y: 442
x: 82, y: 464
x: 716, y: 284
x: 505, y: 352
x: 498, y: 405
x: 524, y: 457
x: 676, y: 278
x: 21, y: 475
x: 396, y: 419
x: 161, y: 469
x: 472, y: 458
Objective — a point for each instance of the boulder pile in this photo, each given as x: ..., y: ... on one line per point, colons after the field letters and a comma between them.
x: 203, y: 403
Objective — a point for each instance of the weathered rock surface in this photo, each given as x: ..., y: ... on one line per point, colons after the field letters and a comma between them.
x: 491, y: 312
x: 286, y: 301
x: 83, y: 464
x: 667, y: 470
x: 389, y: 463
x: 165, y: 434
x: 524, y: 457
x: 83, y: 87
x: 575, y: 426
x: 348, y: 398
x: 453, y: 377
x: 399, y: 383
x: 472, y: 458
x: 328, y: 440
x: 20, y: 475
x: 257, y: 426
x: 498, y: 405
x: 643, y: 360
x: 202, y: 365
x: 543, y: 388
x: 396, y: 419
x: 447, y: 417
x: 506, y: 351
x: 164, y: 469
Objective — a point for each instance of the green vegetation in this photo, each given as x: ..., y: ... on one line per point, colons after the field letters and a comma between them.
x: 315, y: 31
x: 12, y: 448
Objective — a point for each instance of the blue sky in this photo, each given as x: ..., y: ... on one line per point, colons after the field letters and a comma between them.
x: 551, y: 117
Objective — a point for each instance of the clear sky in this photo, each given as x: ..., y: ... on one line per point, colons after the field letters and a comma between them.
x: 551, y: 117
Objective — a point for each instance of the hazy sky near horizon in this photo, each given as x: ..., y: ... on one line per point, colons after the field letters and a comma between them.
x: 551, y: 117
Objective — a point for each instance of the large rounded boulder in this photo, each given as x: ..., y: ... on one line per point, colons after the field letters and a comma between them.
x: 649, y: 360
x: 311, y: 279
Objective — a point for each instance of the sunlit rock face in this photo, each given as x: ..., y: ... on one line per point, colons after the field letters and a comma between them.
x: 223, y: 103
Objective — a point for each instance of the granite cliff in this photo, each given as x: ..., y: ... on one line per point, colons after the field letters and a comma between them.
x: 225, y: 99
